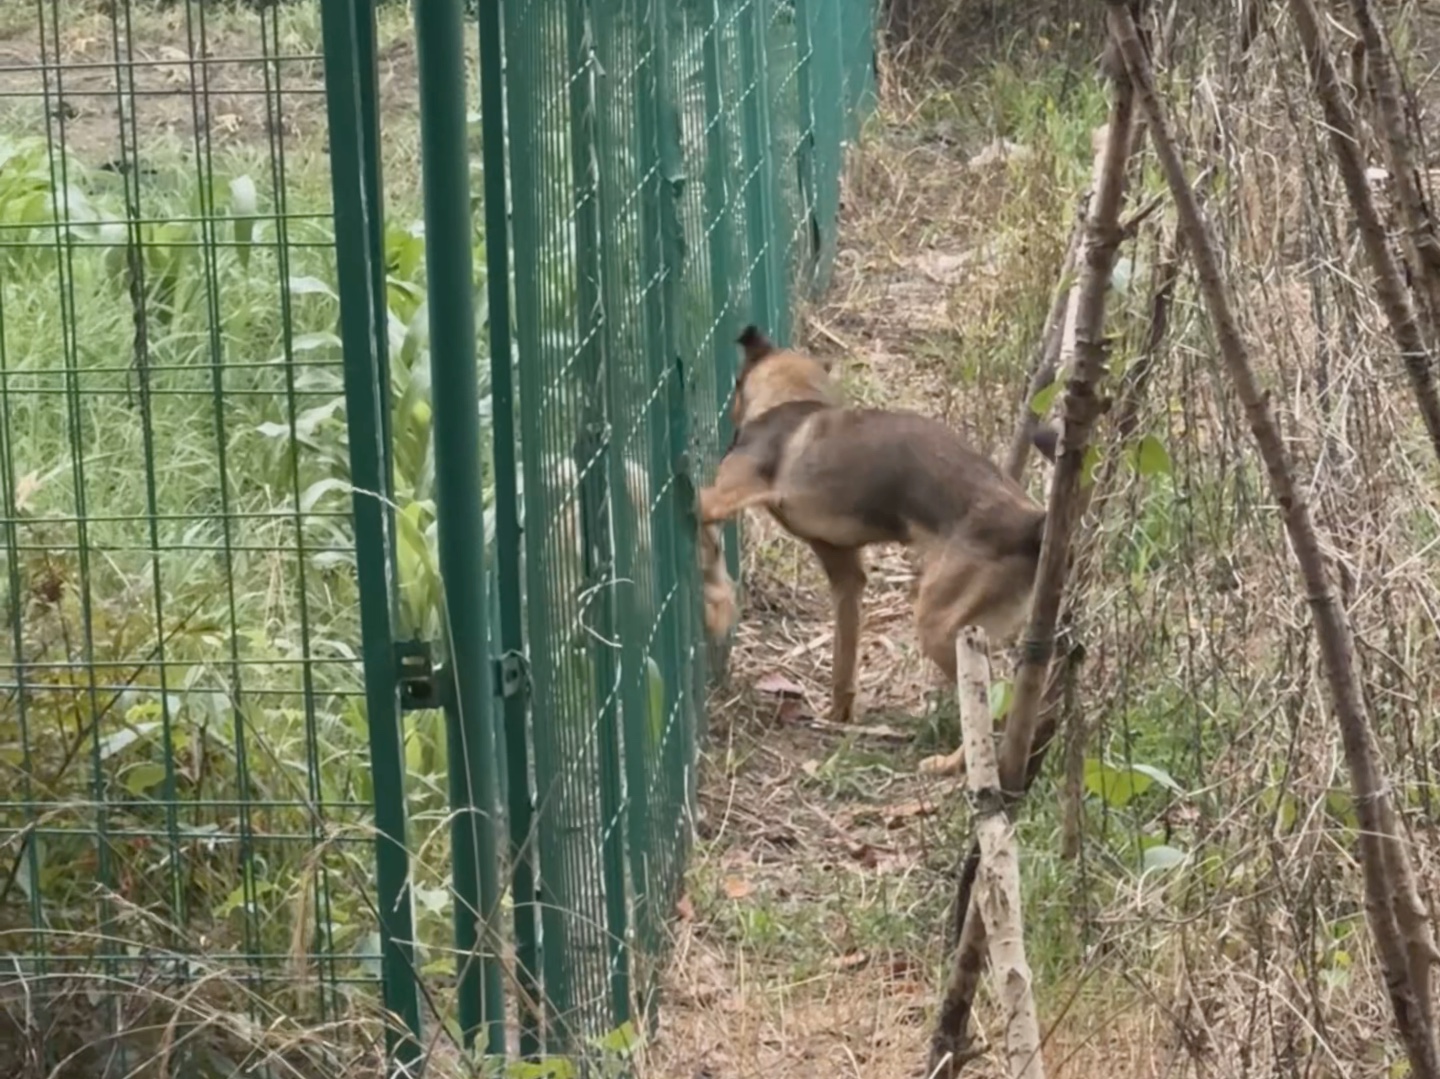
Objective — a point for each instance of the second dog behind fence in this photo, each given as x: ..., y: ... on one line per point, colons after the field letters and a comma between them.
x: 718, y: 588
x: 843, y: 479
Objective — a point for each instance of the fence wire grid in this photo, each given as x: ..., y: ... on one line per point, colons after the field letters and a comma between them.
x: 245, y: 795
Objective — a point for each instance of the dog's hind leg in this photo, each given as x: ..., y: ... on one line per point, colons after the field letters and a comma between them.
x: 956, y: 591
x: 846, y: 572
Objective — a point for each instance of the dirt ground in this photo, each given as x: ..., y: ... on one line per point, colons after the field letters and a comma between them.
x: 72, y: 65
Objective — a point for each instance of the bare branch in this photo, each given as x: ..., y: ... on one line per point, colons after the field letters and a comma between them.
x: 998, y: 893
x: 1029, y: 724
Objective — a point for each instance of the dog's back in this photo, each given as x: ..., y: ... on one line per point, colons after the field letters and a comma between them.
x: 853, y: 477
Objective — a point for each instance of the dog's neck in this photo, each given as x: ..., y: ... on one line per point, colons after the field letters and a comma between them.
x: 809, y: 382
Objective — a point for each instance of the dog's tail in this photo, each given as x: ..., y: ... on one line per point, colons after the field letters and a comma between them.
x: 756, y: 345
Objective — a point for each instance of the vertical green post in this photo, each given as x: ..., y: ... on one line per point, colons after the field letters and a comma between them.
x: 678, y: 398
x: 362, y: 330
x: 805, y: 149
x: 529, y: 37
x: 375, y: 183
x: 717, y: 211
x: 440, y: 55
x: 673, y: 522
x: 766, y: 309
x: 592, y: 457
x: 723, y: 355
x: 612, y: 29
x: 828, y: 109
x: 513, y: 687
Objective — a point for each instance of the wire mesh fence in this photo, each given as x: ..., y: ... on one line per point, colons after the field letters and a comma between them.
x: 239, y: 797
x: 663, y: 163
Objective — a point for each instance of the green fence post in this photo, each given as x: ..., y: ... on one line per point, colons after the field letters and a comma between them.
x: 363, y: 329
x: 678, y: 398
x: 592, y: 458
x: 828, y: 110
x: 766, y: 309
x: 672, y: 521
x: 440, y: 55
x: 716, y: 205
x: 513, y: 685
x: 719, y: 199
x: 805, y: 146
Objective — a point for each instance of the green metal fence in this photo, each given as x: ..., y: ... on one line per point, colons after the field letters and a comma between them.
x: 353, y: 644
x: 673, y: 170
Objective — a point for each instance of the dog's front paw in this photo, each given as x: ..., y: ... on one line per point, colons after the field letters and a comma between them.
x: 943, y: 764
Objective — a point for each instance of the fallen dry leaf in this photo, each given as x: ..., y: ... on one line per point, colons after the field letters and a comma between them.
x: 684, y: 908
x: 850, y: 961
x: 779, y: 685
x: 896, y: 815
x: 791, y: 710
x: 738, y: 887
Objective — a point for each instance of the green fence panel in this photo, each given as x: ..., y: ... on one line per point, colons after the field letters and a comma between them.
x: 342, y: 545
x: 203, y: 822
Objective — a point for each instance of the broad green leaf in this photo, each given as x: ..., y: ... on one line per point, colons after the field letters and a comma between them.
x: 243, y: 207
x: 115, y: 741
x: 1041, y: 402
x: 656, y: 684
x: 142, y: 777
x: 1002, y: 696
x: 318, y: 490
x: 621, y: 1041
x: 1116, y: 787
x: 1151, y: 458
x: 1159, y: 775
x: 545, y: 1068
x: 1161, y: 857
x: 306, y: 286
x: 1342, y: 807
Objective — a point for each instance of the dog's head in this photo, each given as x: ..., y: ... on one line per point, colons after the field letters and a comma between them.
x: 770, y: 376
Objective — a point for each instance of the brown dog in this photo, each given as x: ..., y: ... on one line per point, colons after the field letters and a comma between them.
x: 842, y: 479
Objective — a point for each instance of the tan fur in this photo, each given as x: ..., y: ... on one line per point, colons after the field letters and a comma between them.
x: 842, y: 479
x: 717, y: 587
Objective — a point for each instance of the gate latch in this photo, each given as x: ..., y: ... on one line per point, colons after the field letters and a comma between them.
x: 422, y: 683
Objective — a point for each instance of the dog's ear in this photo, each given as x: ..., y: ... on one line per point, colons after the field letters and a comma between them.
x: 1046, y: 439
x: 756, y: 345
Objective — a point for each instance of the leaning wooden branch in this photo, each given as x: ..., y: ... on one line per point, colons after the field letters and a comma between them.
x: 1419, y: 222
x: 1391, y: 899
x: 1068, y: 497
x: 1390, y: 287
x: 997, y: 885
